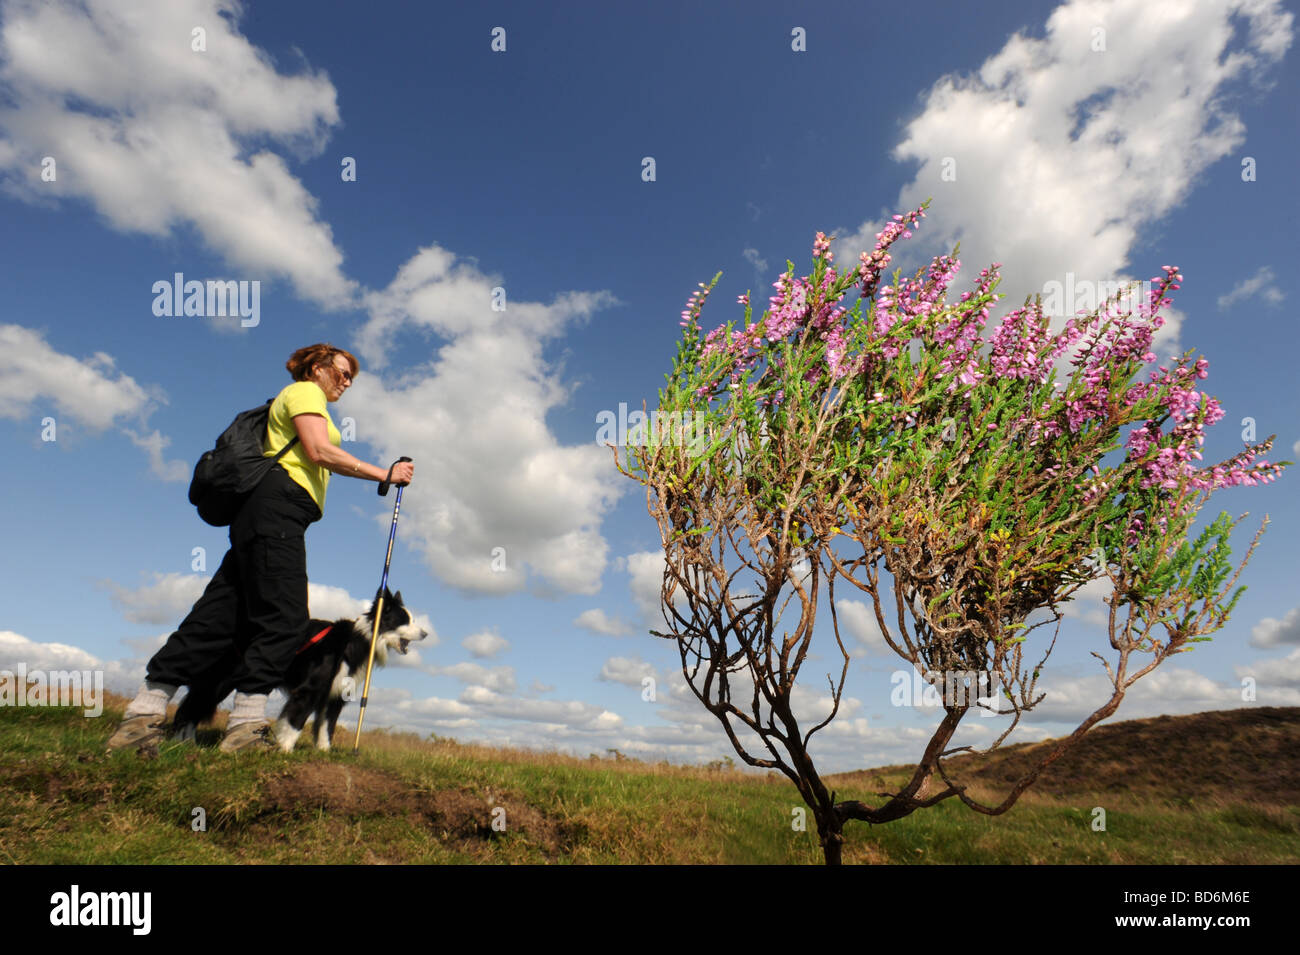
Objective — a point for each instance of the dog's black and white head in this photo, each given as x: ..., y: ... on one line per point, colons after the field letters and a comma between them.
x: 397, y: 629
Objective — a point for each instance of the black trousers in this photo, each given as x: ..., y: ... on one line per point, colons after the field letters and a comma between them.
x: 249, y: 622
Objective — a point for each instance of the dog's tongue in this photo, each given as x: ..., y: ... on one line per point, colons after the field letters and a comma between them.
x: 403, y: 644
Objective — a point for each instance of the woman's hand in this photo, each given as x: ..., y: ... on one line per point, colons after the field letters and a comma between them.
x: 403, y: 471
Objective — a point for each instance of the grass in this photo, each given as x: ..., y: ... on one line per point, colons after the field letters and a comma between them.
x: 1223, y: 790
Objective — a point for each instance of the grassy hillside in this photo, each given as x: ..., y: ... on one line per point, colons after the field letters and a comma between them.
x: 1212, y: 788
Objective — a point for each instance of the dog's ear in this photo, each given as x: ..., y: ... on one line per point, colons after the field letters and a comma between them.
x: 397, y: 597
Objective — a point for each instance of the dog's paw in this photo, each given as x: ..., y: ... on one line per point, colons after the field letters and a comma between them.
x: 286, y: 737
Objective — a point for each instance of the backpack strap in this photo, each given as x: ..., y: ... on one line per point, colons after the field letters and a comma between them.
x: 279, y: 454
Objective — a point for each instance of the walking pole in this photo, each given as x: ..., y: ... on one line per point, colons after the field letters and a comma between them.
x: 379, y: 598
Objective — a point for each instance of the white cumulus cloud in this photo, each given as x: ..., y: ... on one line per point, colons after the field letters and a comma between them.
x: 627, y: 670
x: 158, y: 136
x: 485, y: 644
x: 1262, y: 283
x: 1060, y: 151
x: 1271, y: 632
x: 511, y: 501
x: 597, y: 621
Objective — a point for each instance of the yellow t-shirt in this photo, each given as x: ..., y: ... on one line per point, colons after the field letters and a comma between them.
x: 302, y: 397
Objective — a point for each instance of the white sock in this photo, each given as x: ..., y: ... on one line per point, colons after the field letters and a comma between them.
x: 151, y: 700
x: 249, y: 708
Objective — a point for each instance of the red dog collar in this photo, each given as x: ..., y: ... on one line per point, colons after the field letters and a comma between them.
x: 316, y: 639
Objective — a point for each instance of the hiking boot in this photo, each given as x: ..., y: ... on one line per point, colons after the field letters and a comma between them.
x: 141, y: 733
x: 248, y: 736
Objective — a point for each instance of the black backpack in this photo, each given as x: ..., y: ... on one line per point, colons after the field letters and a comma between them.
x: 226, y: 475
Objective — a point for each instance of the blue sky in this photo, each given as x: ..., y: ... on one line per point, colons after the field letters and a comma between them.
x: 1099, y: 139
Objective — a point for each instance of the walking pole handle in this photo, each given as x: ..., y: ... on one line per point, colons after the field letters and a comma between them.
x: 384, y: 484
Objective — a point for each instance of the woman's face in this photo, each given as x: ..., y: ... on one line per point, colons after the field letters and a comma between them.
x: 334, y: 377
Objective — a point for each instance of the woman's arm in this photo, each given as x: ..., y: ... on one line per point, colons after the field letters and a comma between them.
x: 313, y: 433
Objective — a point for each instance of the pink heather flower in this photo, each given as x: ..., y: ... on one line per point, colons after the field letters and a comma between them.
x: 1022, y: 347
x: 821, y: 247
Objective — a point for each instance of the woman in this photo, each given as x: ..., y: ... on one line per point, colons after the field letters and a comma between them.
x: 253, y: 613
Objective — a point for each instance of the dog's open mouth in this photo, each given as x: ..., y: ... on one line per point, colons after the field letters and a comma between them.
x: 402, y: 644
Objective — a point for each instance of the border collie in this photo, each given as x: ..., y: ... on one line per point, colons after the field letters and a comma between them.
x: 328, y: 672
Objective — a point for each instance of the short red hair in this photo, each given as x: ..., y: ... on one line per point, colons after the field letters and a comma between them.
x: 301, y: 362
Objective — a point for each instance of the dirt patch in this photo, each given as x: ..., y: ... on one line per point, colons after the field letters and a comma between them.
x: 329, y: 786
x: 464, y: 816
